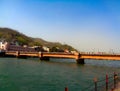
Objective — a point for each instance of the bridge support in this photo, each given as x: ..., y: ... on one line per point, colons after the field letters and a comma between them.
x: 44, y: 58
x: 17, y: 54
x: 80, y: 61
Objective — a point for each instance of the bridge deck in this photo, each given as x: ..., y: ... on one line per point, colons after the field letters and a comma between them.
x: 101, y: 57
x: 65, y: 55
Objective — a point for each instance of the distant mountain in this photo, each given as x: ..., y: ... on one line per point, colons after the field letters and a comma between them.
x: 11, y: 35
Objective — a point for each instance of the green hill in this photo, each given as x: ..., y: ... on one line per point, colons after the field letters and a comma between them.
x: 11, y: 35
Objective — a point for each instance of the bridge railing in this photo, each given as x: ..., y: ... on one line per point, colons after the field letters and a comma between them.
x: 99, y: 53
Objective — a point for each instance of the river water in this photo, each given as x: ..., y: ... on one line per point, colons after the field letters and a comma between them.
x: 34, y: 75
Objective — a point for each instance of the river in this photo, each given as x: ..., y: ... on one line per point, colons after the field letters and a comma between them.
x: 34, y: 75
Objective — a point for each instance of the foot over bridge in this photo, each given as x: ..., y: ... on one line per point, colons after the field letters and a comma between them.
x: 79, y: 57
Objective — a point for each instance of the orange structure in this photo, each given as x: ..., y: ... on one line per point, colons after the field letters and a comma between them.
x: 77, y: 56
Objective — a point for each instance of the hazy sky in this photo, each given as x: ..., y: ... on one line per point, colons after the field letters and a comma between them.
x: 87, y: 25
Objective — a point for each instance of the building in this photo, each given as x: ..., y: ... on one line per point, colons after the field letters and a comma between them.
x: 38, y: 48
x: 46, y: 49
x: 6, y: 46
x: 3, y: 45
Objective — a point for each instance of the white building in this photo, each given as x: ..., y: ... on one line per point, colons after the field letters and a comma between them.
x: 3, y: 45
x: 46, y: 49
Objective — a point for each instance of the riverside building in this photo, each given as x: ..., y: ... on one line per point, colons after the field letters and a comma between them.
x: 6, y: 46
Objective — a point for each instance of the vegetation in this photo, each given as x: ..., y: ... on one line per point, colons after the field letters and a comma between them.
x: 11, y: 35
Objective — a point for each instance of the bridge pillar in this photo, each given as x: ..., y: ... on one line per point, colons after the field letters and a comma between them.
x: 40, y: 54
x: 44, y: 58
x: 80, y: 61
x: 17, y: 53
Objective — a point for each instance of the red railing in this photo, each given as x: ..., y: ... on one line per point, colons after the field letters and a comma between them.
x: 109, y: 83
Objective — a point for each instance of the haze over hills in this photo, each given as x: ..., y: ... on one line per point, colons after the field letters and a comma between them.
x: 11, y: 35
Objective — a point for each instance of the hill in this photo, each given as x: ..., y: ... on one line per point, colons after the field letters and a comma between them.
x: 11, y: 35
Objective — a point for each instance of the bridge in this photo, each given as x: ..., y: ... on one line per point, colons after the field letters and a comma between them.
x: 79, y: 57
